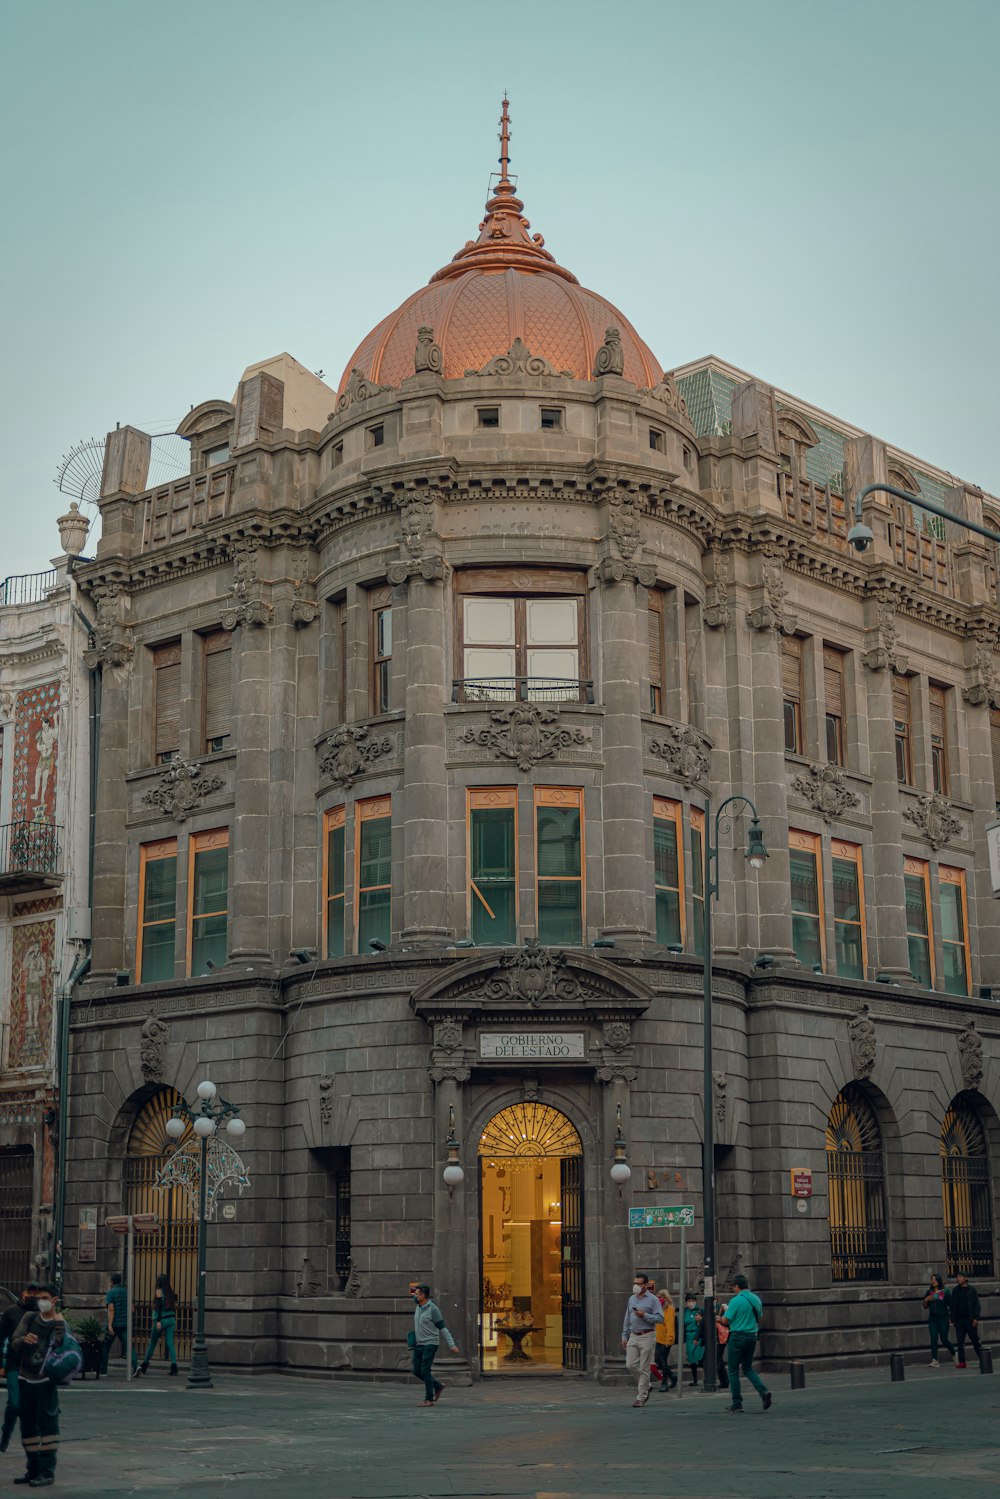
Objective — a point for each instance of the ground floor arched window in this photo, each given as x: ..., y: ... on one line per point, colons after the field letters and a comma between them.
x: 173, y: 1249
x: 856, y: 1177
x: 965, y: 1191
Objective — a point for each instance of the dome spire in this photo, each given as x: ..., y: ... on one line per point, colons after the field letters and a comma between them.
x: 504, y: 242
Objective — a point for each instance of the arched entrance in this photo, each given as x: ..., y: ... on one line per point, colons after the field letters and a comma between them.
x: 173, y: 1249
x: 531, y: 1223
x: 965, y: 1191
x: 856, y: 1178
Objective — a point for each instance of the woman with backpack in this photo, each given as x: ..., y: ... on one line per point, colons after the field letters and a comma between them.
x: 165, y: 1321
x: 937, y: 1300
x: 40, y: 1334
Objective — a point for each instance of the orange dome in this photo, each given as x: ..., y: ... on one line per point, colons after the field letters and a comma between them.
x: 501, y: 287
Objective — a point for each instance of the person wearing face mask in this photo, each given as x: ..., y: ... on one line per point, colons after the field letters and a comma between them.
x: 428, y: 1326
x: 37, y: 1332
x: 12, y: 1363
x: 642, y: 1313
x: 117, y: 1307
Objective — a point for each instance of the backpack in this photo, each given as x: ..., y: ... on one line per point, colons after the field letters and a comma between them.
x: 62, y: 1364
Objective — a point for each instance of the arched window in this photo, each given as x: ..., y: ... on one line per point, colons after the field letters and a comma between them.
x: 173, y: 1248
x: 856, y: 1176
x: 965, y: 1191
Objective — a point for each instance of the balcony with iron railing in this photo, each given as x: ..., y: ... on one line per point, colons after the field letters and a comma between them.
x: 30, y: 857
x: 521, y: 690
x: 27, y: 588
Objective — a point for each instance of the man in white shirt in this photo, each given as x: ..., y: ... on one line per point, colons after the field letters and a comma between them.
x: 641, y: 1316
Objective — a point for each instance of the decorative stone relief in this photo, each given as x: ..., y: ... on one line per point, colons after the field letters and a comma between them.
x: 880, y: 652
x: 861, y: 1033
x: 153, y: 1048
x: 616, y: 1072
x: 720, y: 1085
x: 431, y: 569
x: 529, y: 1088
x: 351, y: 753
x: 112, y: 634
x: 686, y: 753
x: 449, y: 1072
x: 668, y: 393
x: 984, y: 675
x: 416, y: 516
x: 518, y: 360
x: 610, y: 358
x: 6, y: 705
x: 933, y: 818
x: 308, y: 1282
x: 970, y: 1051
x: 448, y: 1036
x: 716, y: 614
x: 616, y: 1035
x: 533, y: 975
x: 359, y: 389
x: 525, y: 733
x: 770, y: 614
x: 304, y: 606
x: 353, y: 1287
x: 181, y: 788
x: 623, y: 524
x: 247, y: 606
x: 427, y: 355
x: 326, y: 1100
x: 613, y: 571
x: 825, y: 789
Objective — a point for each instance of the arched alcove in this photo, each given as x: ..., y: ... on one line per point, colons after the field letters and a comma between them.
x: 966, y: 1191
x: 856, y: 1177
x: 173, y: 1249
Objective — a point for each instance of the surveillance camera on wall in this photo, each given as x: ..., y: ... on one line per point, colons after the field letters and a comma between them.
x: 860, y: 537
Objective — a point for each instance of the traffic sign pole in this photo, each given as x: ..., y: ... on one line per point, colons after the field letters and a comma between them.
x: 679, y: 1317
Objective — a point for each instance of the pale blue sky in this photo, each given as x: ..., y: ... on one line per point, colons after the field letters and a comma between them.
x: 809, y: 191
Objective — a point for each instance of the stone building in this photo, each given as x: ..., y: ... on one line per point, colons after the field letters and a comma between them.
x: 413, y: 693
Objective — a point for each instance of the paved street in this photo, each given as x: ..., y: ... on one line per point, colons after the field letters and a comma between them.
x: 846, y: 1437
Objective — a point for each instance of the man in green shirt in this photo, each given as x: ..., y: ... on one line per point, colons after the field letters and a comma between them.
x: 743, y: 1319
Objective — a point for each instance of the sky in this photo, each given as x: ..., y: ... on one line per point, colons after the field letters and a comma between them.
x: 809, y: 191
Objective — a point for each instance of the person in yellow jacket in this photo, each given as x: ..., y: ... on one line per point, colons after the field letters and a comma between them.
x: 666, y: 1337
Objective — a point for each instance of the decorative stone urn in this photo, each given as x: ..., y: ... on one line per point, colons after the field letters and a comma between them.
x: 73, y: 529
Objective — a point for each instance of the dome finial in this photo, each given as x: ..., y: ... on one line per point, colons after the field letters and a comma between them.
x: 504, y: 143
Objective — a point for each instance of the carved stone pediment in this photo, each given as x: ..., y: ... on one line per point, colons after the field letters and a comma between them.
x: 525, y: 733
x: 685, y: 751
x: 934, y: 819
x: 353, y: 752
x: 182, y: 788
x: 519, y: 360
x: 825, y: 789
x: 359, y: 389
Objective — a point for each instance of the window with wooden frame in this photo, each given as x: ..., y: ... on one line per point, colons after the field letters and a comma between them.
x: 808, y: 938
x: 166, y: 702
x: 208, y: 901
x: 217, y: 690
x: 995, y: 746
x: 849, y: 935
x: 901, y: 729
x: 834, y: 704
x: 380, y: 603
x: 521, y: 636
x: 334, y: 883
x: 698, y: 881
x: 154, y: 957
x: 657, y: 651
x: 938, y: 701
x: 668, y: 880
x: 492, y: 865
x: 919, y: 937
x: 559, y: 866
x: 373, y: 871
x: 791, y: 691
x: 955, y: 957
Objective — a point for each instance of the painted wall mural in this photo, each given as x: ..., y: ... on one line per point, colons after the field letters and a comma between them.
x: 36, y: 732
x: 32, y: 978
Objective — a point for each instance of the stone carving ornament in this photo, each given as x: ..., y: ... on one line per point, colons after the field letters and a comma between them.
x: 427, y: 355
x: 181, y: 788
x: 985, y: 673
x: 431, y: 569
x: 716, y: 615
x: 720, y: 1085
x: 770, y: 614
x: 623, y: 523
x: 448, y: 1035
x: 934, y: 819
x: 861, y: 1032
x: 617, y: 1035
x: 351, y: 753
x: 518, y: 360
x: 153, y: 1048
x: 611, y: 570
x: 247, y: 607
x: 525, y: 734
x: 881, y: 653
x: 532, y: 975
x: 668, y: 393
x: 610, y: 359
x: 686, y: 753
x: 326, y: 1100
x: 359, y: 389
x: 415, y: 518
x: 112, y: 636
x: 970, y: 1051
x: 825, y: 789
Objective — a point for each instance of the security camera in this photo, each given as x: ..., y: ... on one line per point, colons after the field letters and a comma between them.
x: 860, y: 537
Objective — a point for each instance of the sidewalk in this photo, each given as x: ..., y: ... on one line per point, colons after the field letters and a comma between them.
x: 848, y: 1436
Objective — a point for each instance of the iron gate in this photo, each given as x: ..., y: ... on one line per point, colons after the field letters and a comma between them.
x: 17, y: 1169
x: 574, y: 1341
x: 173, y: 1249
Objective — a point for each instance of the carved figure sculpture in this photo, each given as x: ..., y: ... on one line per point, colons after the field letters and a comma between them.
x: 861, y: 1032
x: 153, y: 1047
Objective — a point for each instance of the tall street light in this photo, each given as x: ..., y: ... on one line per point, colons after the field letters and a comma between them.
x: 205, y: 1122
x: 861, y: 536
x: 756, y: 853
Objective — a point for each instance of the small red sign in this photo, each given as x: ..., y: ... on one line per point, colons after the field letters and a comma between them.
x: 802, y: 1181
x: 142, y: 1223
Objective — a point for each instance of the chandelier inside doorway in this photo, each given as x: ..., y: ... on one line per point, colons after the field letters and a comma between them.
x: 525, y: 1133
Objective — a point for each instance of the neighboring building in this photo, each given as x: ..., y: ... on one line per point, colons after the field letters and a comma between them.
x: 412, y: 695
x: 44, y: 822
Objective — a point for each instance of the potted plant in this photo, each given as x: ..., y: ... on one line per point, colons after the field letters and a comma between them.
x: 89, y: 1333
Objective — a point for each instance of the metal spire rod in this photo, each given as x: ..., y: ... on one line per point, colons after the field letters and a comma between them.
x: 504, y: 157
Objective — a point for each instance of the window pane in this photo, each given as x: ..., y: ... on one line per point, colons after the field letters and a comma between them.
x: 211, y: 878
x: 558, y: 841
x: 335, y: 861
x: 160, y: 894
x: 952, y: 925
x: 500, y: 927
x: 489, y: 621
x: 564, y: 665
x: 335, y: 928
x: 208, y: 941
x: 383, y: 632
x: 805, y: 940
x: 158, y: 951
x: 805, y: 889
x: 956, y: 980
x: 373, y: 918
x: 668, y: 917
x: 791, y: 728
x: 920, y: 959
x: 665, y: 853
x: 489, y: 666
x: 850, y: 964
x: 492, y: 835
x: 552, y: 621
x: 846, y: 895
x: 559, y: 915
x: 916, y: 906
x: 376, y: 853
x: 698, y: 891
x: 833, y: 751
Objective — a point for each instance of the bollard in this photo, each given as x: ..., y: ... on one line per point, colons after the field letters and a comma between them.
x: 797, y: 1370
x: 896, y: 1369
x: 986, y: 1361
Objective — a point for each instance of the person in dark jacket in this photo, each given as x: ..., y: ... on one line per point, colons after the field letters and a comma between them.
x: 965, y: 1312
x: 937, y: 1300
x: 11, y: 1363
x: 36, y: 1333
x: 117, y: 1308
x: 165, y: 1321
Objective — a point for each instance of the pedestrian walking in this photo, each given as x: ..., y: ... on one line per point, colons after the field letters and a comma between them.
x: 37, y: 1331
x: 642, y: 1314
x: 743, y: 1321
x: 428, y: 1327
x: 694, y: 1346
x: 937, y: 1300
x: 665, y: 1338
x: 164, y: 1321
x: 11, y: 1361
x: 116, y: 1302
x: 722, y: 1335
x: 965, y: 1313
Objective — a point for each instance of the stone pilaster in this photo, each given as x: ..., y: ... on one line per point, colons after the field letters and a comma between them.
x: 425, y: 785
x: 887, y: 946
x: 108, y: 935
x: 249, y: 859
x: 770, y: 885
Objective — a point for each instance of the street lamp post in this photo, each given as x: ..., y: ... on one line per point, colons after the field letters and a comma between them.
x: 756, y: 853
x: 205, y: 1122
x: 861, y: 537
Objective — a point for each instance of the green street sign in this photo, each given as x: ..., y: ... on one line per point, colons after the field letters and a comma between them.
x: 682, y: 1217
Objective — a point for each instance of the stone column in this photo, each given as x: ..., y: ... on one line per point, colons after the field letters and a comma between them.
x: 888, y: 952
x: 456, y: 1219
x: 618, y: 1242
x: 109, y: 902
x: 982, y: 696
x: 249, y: 859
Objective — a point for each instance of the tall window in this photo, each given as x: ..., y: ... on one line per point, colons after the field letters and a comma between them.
x: 791, y: 687
x: 373, y: 841
x: 965, y: 1191
x: 559, y: 863
x: 939, y: 738
x: 381, y: 648
x: 856, y: 1179
x: 524, y: 644
x: 834, y: 704
x: 901, y: 725
x: 166, y: 702
x: 848, y: 909
x: 657, y: 652
x: 919, y: 938
x: 669, y: 884
x: 208, y: 900
x: 954, y: 930
x: 492, y: 864
x: 698, y: 881
x: 217, y: 690
x: 154, y: 958
x: 807, y: 897
x: 334, y: 883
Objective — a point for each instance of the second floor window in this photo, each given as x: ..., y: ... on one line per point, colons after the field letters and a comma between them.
x: 559, y: 864
x: 166, y: 702
x: 833, y: 691
x: 938, y: 697
x: 668, y: 882
x: 954, y: 930
x: 526, y: 646
x: 157, y: 911
x: 807, y: 898
x: 901, y: 729
x: 848, y: 909
x: 657, y: 652
x: 493, y: 865
x: 381, y: 649
x: 919, y: 938
x: 208, y: 901
x: 373, y: 841
x: 791, y: 690
x: 217, y: 691
x: 698, y: 880
x: 335, y: 884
